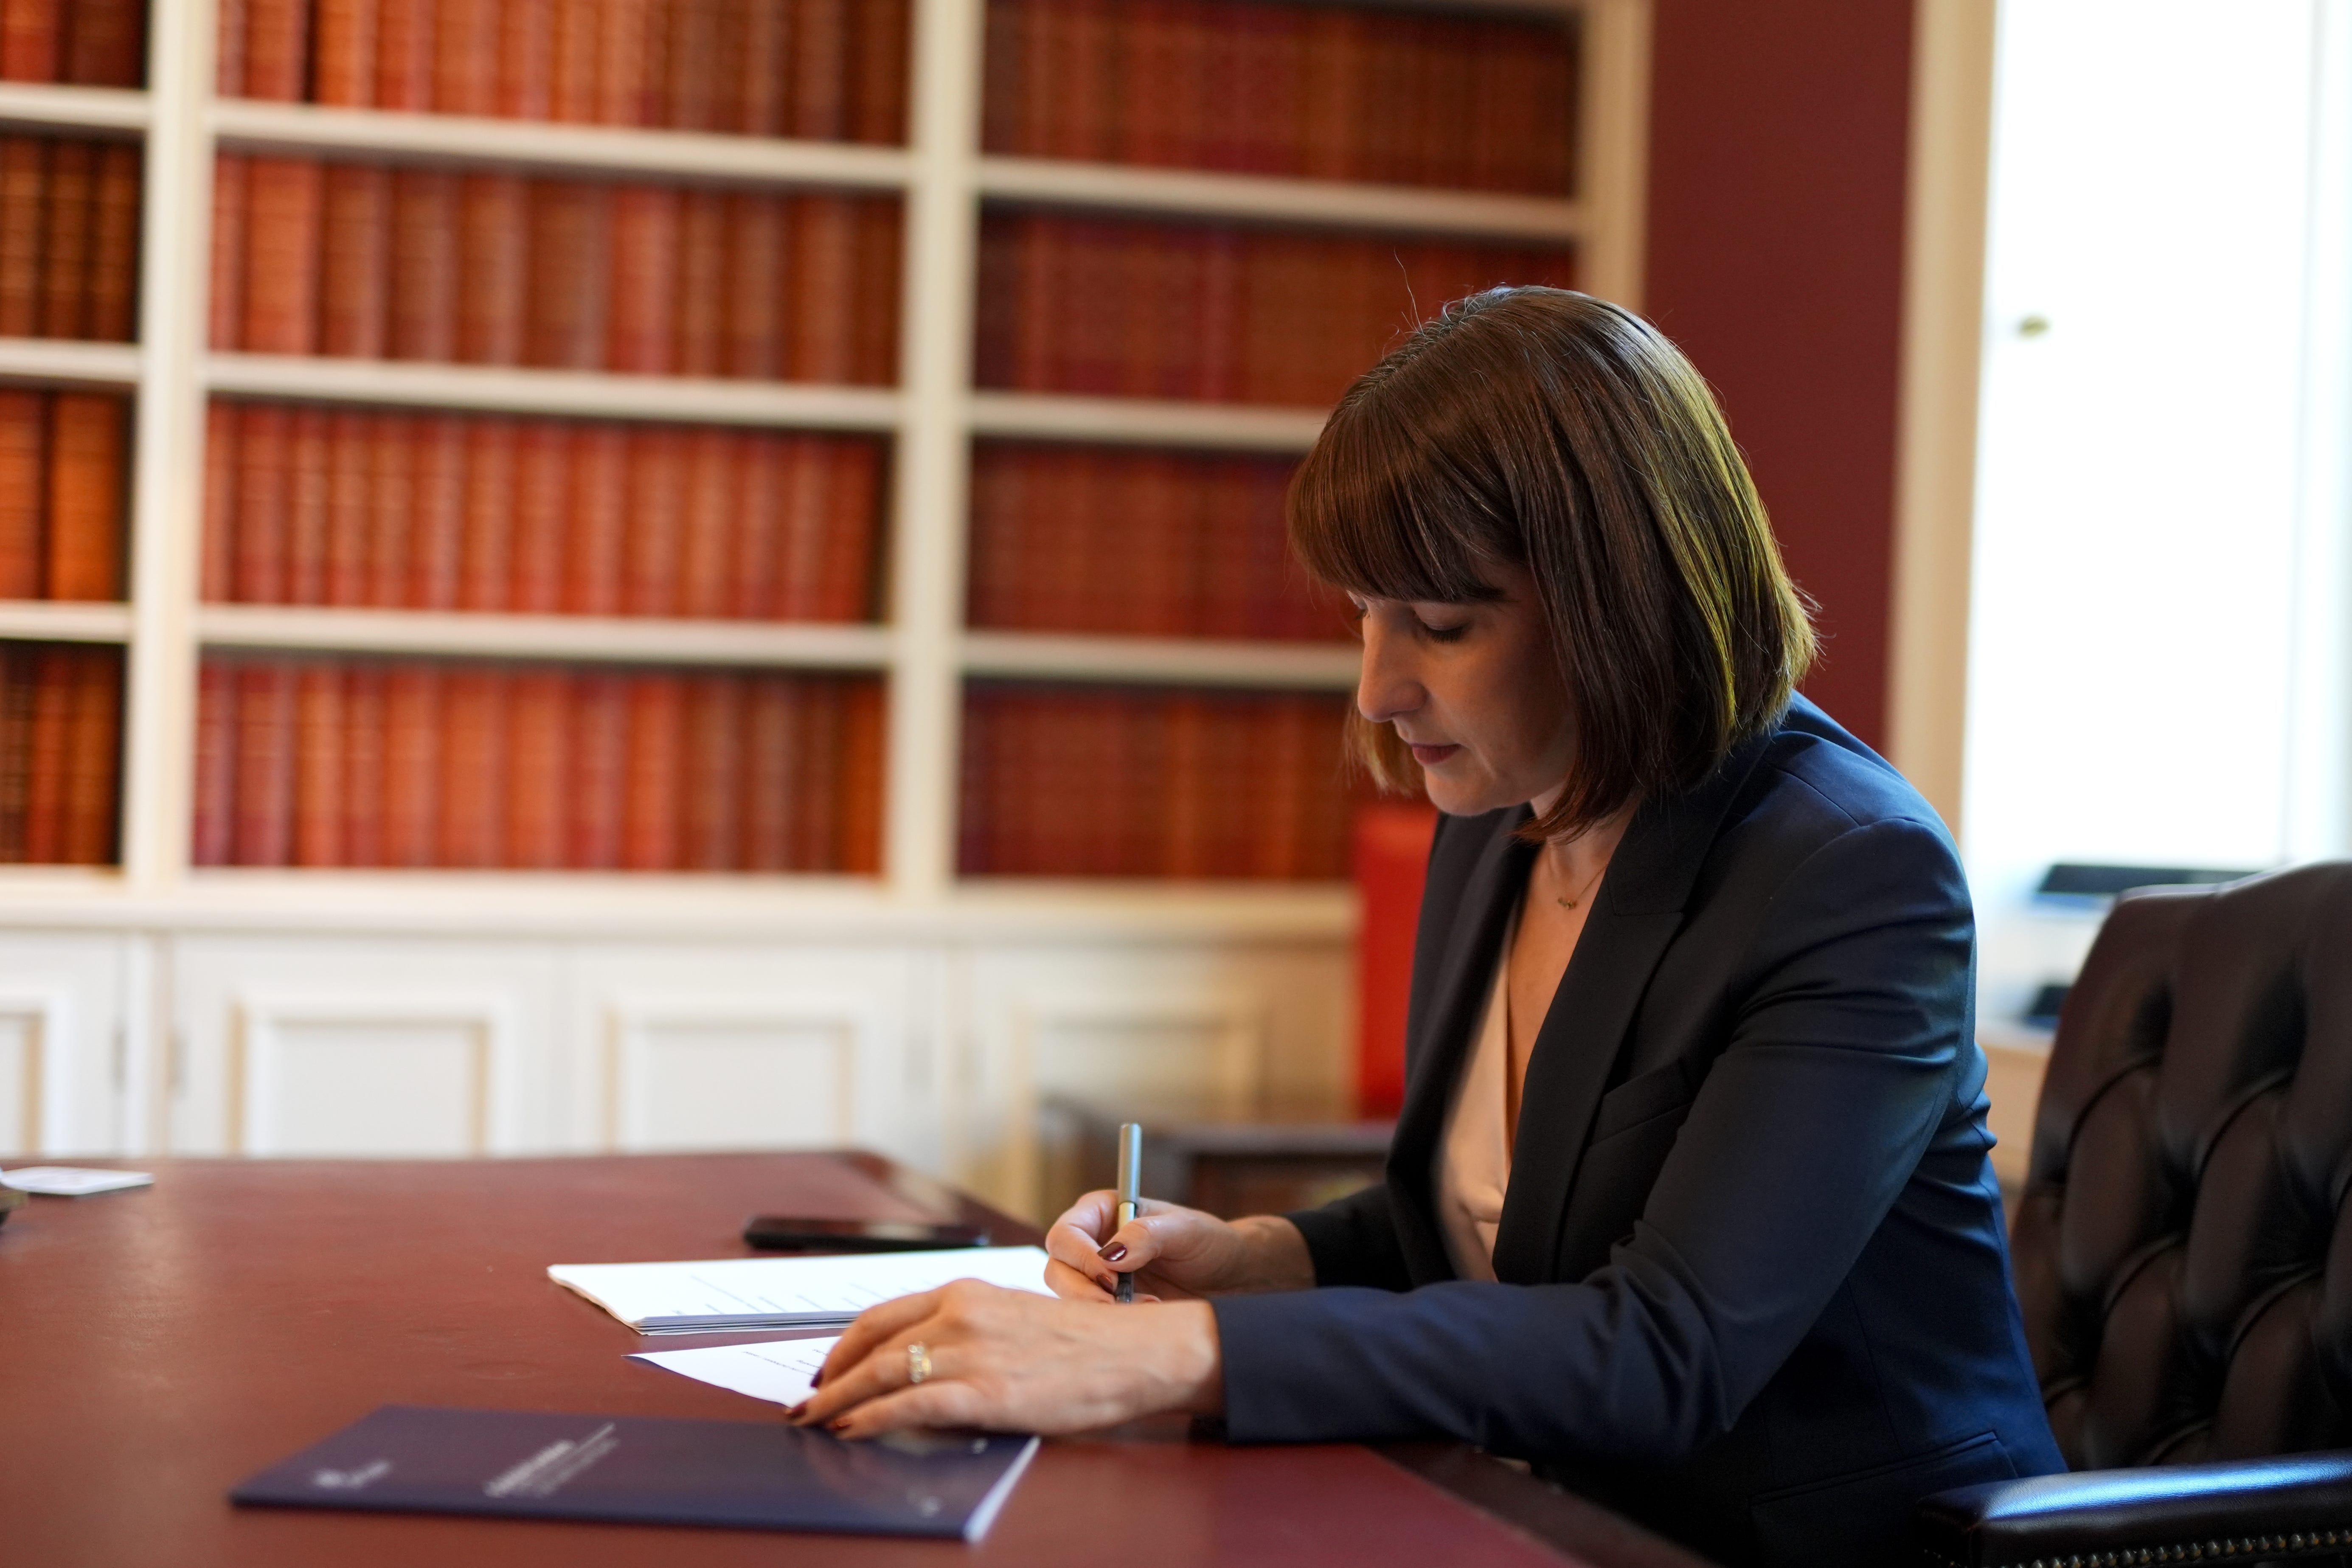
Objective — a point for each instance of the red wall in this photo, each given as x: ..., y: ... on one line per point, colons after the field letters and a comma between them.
x: 1777, y: 154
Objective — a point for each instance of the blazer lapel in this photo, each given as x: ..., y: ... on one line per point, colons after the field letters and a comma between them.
x: 1638, y: 911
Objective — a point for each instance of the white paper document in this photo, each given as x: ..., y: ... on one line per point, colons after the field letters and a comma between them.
x: 730, y: 1293
x: 780, y: 1370
x: 71, y: 1180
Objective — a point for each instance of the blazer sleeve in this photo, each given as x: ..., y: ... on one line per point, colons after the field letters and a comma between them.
x: 1840, y: 1064
x: 1353, y: 1241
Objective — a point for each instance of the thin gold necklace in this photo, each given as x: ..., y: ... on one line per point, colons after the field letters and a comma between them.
x: 1582, y: 892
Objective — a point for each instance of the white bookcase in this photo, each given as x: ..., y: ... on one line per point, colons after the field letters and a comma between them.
x: 201, y: 984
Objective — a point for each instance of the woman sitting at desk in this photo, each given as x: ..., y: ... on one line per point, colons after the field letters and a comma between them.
x: 1689, y: 1203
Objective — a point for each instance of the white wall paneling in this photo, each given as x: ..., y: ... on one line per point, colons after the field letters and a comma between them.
x: 64, y: 1070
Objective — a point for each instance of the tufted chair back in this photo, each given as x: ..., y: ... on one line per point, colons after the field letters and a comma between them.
x: 2183, y: 1249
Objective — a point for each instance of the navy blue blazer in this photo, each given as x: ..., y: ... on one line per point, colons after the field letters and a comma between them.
x: 1754, y: 1291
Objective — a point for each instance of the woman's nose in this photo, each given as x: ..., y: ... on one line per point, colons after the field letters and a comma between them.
x: 1386, y: 687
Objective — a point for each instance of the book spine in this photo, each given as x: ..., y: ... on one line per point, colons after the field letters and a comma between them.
x: 24, y: 491
x: 232, y: 192
x: 820, y: 276
x: 319, y: 749
x: 712, y: 769
x: 542, y: 511
x: 486, y: 565
x: 537, y: 824
x: 1004, y: 78
x: 264, y: 810
x: 756, y: 550
x: 67, y: 232
x: 700, y: 309
x: 277, y: 50
x: 114, y: 246
x: 757, y: 291
x: 212, y: 829
x: 403, y: 55
x: 771, y: 725
x: 816, y: 827
x: 874, y: 312
x: 48, y: 732
x: 93, y: 758
x: 710, y: 511
x: 651, y: 814
x: 425, y: 289
x: 351, y: 512
x: 229, y: 33
x: 349, y: 31
x: 306, y: 506
x: 392, y: 499
x: 995, y: 549
x: 806, y: 484
x: 24, y: 179
x: 282, y: 237
x: 494, y: 247
x: 464, y: 57
x: 526, y: 65
x: 412, y: 763
x: 106, y: 45
x: 31, y: 35
x: 845, y: 571
x: 817, y: 109
x: 598, y: 783
x: 878, y: 68
x: 759, y: 68
x: 258, y: 548
x: 622, y: 62
x: 863, y: 729
x: 474, y: 721
x: 642, y: 325
x: 690, y: 88
x: 437, y: 515
x: 573, y: 66
x: 366, y: 684
x: 596, y: 532
x: 656, y: 490
x: 569, y: 247
x: 88, y: 453
x: 355, y: 265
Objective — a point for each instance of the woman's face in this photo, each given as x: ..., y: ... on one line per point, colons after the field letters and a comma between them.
x: 1473, y: 689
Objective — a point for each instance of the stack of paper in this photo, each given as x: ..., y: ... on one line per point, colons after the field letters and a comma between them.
x: 71, y: 1181
x: 732, y: 1293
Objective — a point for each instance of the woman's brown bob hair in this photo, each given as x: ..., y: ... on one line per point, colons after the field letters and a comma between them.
x: 1556, y: 432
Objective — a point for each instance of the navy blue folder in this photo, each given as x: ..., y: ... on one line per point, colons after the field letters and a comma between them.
x: 649, y: 1470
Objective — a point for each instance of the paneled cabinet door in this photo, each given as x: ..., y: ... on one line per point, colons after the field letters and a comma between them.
x: 65, y: 1073
x: 1165, y: 1032
x: 751, y: 1046
x: 385, y: 1045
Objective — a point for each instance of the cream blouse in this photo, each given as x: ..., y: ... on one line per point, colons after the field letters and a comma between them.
x: 1474, y: 1154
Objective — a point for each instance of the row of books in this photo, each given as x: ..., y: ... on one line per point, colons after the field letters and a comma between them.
x: 829, y: 71
x: 60, y: 753
x: 86, y: 43
x: 1328, y: 92
x: 433, y: 511
x: 1100, y: 782
x: 321, y: 761
x: 63, y: 467
x: 1222, y: 313
x: 1070, y: 538
x: 69, y: 237
x: 360, y: 261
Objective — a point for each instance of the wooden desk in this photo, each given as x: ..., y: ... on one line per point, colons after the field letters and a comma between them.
x: 157, y: 1346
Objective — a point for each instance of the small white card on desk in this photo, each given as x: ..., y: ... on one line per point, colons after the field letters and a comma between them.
x: 779, y: 1370
x: 71, y: 1180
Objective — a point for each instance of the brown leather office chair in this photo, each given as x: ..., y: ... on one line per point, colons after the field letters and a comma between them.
x: 2183, y: 1249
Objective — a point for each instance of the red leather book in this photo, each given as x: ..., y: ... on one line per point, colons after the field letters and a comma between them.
x: 1331, y: 93
x: 1158, y: 543
x: 1004, y: 79
x: 863, y: 743
x: 24, y: 178
x: 486, y: 559
x: 89, y: 459
x: 711, y: 764
x: 538, y: 816
x: 596, y: 533
x: 816, y: 823
x: 846, y: 577
x: 1261, y: 52
x: 24, y: 491
x: 622, y: 76
x: 526, y: 67
x: 571, y: 95
x: 464, y: 57
x: 1084, y: 124
x: 264, y: 481
x: 690, y: 88
x: 232, y: 196
x: 93, y: 758
x: 874, y: 351
x: 355, y: 265
x: 701, y: 306
x: 436, y: 528
x: 820, y: 279
x: 654, y: 524
x: 878, y: 72
x: 818, y: 106
x: 17, y: 674
x: 755, y: 306
x: 350, y: 485
x: 494, y: 238
x: 771, y: 725
x: 264, y: 812
x: 230, y: 25
x: 755, y: 546
x: 106, y: 43
x: 319, y: 749
x: 642, y: 324
x: 68, y: 229
x: 211, y: 839
x: 32, y: 35
x: 1029, y: 290
x: 598, y: 779
x: 282, y: 235
x: 1187, y: 787
x: 48, y: 740
x: 1156, y: 102
x: 365, y: 683
x: 997, y: 544
x: 474, y: 734
x: 345, y: 71
x: 424, y: 265
x: 277, y: 49
x: 706, y: 522
x: 1041, y: 28
x: 114, y: 245
x: 569, y: 250
x: 805, y: 476
x: 216, y: 568
x: 753, y: 99
x: 412, y: 763
x: 542, y: 511
x: 306, y: 506
x: 392, y: 507
x: 651, y: 811
x: 403, y: 55
x: 975, y: 761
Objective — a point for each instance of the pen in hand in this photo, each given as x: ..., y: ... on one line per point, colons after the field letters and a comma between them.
x: 1131, y: 1196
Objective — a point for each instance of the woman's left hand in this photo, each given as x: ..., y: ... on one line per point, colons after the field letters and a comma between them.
x: 1011, y: 1361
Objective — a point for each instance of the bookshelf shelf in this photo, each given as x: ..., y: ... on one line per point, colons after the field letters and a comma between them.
x: 253, y: 126
x: 39, y: 104
x: 62, y: 359
x: 1143, y: 422
x: 1412, y: 208
x: 617, y: 640
x: 47, y: 621
x: 1161, y: 660
x: 587, y: 394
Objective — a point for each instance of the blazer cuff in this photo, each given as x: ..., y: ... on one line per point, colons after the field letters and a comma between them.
x: 1354, y: 1242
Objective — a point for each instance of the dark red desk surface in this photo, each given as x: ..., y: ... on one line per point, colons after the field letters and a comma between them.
x: 156, y: 1346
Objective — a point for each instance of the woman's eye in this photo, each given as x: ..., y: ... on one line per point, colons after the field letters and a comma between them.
x: 1444, y: 634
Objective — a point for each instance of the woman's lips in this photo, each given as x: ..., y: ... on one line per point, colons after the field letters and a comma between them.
x: 1430, y: 756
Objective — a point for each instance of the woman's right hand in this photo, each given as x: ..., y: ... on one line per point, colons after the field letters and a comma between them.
x: 1175, y: 1253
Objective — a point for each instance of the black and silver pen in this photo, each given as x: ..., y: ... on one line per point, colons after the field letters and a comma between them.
x: 1131, y: 1192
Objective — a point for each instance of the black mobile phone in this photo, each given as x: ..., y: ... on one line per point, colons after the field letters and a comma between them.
x: 788, y: 1233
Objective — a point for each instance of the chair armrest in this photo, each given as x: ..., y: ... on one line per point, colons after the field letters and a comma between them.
x: 2294, y: 1505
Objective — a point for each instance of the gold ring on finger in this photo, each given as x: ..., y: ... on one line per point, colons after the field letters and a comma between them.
x: 918, y: 1362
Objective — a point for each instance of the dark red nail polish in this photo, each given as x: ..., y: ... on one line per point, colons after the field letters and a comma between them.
x: 818, y: 1380
x: 1113, y: 1253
